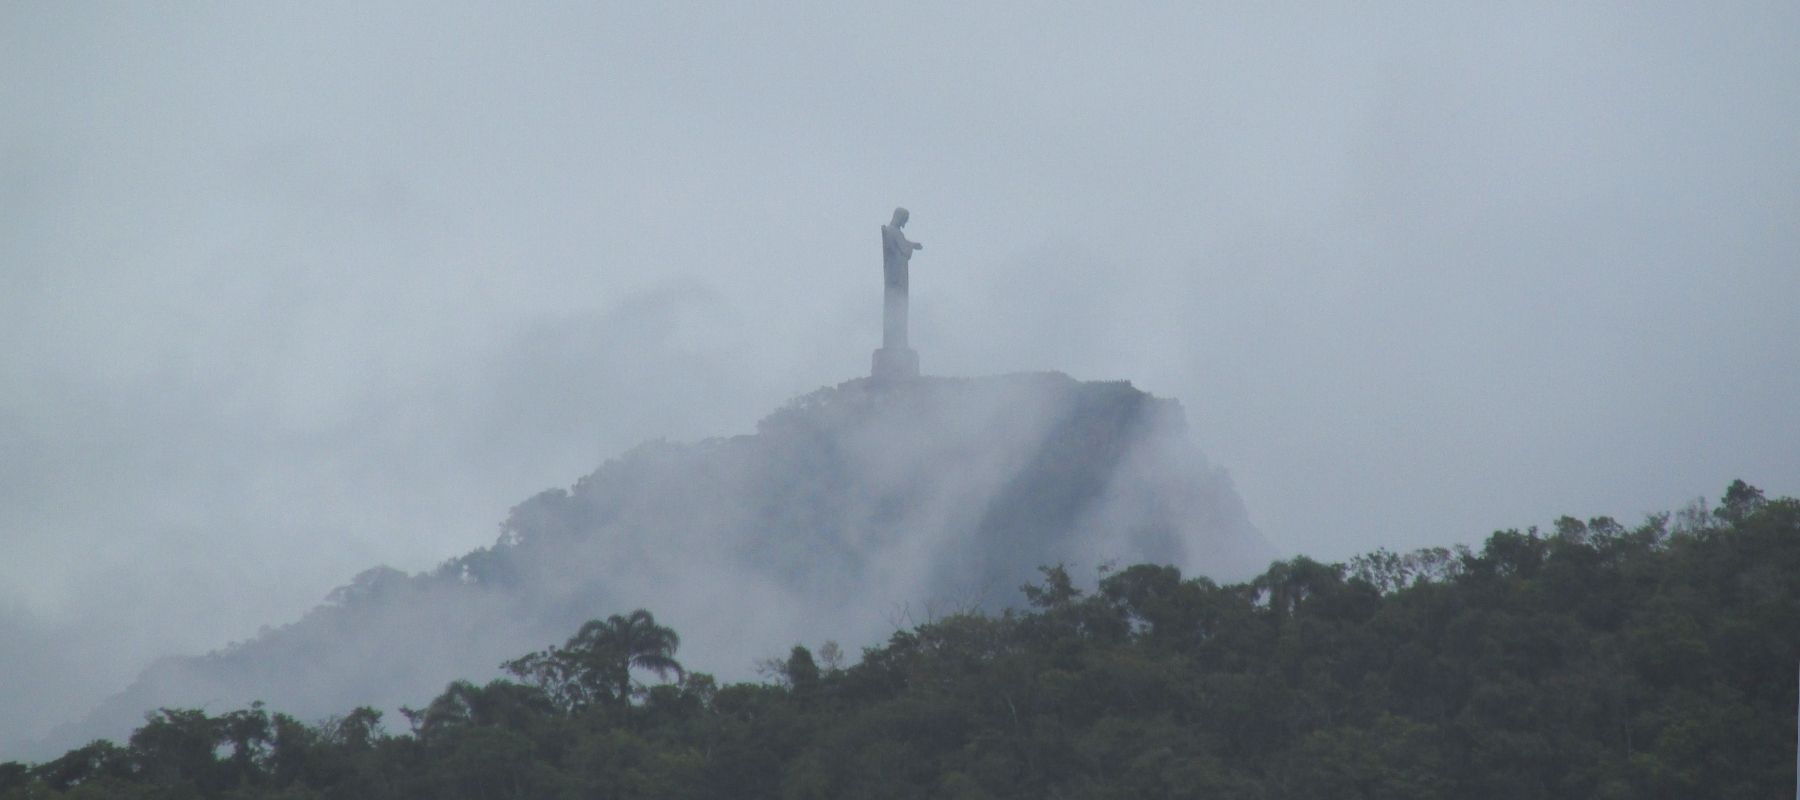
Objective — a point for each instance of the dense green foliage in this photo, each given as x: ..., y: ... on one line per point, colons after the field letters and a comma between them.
x: 1591, y: 661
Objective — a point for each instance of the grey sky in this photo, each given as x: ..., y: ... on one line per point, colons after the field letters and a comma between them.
x: 289, y: 291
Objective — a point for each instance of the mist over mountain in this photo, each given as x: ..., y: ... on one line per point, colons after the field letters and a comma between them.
x: 851, y: 511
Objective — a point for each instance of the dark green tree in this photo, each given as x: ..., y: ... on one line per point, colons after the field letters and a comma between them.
x: 594, y: 666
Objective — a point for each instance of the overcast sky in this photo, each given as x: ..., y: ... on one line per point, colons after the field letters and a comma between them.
x: 290, y: 290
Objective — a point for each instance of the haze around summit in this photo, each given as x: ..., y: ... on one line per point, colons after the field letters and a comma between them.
x: 288, y: 293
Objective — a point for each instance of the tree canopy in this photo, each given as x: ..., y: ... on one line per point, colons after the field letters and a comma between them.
x: 1592, y: 661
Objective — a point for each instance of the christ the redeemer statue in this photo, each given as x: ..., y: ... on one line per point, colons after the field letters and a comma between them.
x: 895, y: 359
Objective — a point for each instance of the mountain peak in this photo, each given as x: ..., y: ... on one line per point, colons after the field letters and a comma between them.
x: 848, y: 511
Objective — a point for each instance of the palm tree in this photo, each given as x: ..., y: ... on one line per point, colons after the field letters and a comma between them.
x: 610, y: 649
x: 595, y: 665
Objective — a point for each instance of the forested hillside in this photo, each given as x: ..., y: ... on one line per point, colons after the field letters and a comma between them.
x: 847, y: 505
x: 1589, y: 661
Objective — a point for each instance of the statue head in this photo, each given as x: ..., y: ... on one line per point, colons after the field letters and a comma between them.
x: 900, y: 217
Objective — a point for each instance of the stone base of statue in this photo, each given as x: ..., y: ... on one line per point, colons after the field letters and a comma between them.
x: 895, y: 364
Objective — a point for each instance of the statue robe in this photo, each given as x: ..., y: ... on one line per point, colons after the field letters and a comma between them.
x: 896, y: 252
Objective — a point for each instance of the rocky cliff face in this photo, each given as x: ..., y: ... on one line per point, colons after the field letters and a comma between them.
x: 849, y: 512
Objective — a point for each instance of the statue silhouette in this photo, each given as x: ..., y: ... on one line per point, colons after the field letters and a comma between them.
x: 896, y: 358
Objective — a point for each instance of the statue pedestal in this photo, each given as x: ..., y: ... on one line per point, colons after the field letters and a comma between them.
x: 895, y: 364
